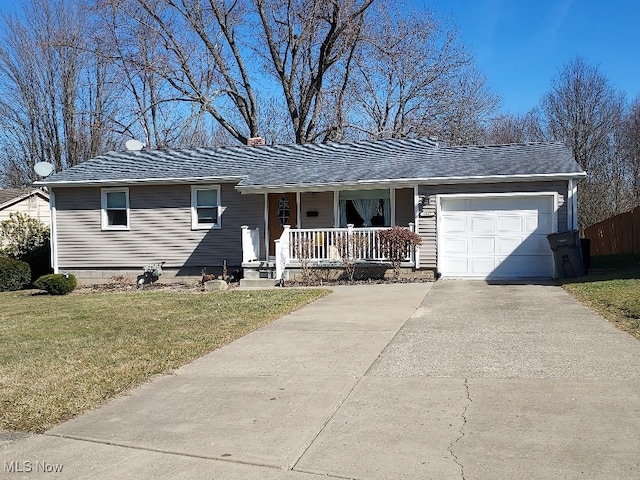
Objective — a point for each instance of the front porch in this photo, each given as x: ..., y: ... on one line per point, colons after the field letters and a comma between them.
x: 319, y: 248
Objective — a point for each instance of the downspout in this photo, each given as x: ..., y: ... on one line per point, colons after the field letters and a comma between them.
x: 416, y: 222
x: 572, y: 204
x: 53, y: 239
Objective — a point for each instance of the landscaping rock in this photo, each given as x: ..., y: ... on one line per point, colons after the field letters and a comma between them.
x: 213, y: 285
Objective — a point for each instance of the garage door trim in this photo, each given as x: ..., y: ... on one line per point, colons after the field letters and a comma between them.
x: 552, y: 198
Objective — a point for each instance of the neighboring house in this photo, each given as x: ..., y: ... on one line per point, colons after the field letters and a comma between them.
x: 32, y: 201
x: 482, y: 211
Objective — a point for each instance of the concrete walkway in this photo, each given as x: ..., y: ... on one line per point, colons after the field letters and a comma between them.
x: 452, y: 380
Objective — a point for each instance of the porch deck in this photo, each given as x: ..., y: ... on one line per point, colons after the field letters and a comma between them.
x: 321, y: 247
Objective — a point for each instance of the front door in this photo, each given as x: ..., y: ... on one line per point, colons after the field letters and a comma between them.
x: 282, y: 211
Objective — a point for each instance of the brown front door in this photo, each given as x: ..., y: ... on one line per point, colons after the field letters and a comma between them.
x: 282, y: 211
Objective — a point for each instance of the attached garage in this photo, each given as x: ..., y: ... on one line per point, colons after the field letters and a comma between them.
x: 493, y: 236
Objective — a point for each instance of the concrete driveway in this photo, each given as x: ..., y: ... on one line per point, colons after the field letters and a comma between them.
x: 452, y: 380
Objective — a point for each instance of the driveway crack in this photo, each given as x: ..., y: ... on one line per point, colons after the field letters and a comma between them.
x: 461, y: 430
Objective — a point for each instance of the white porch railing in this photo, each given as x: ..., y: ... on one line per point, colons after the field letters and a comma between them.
x: 325, y: 245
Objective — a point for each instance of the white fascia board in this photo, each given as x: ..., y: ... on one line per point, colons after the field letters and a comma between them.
x: 406, y: 182
x: 141, y: 181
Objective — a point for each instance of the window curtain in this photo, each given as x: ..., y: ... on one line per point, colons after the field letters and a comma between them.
x: 386, y: 210
x: 343, y: 213
x: 366, y: 208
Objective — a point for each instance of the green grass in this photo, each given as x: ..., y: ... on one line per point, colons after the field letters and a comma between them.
x: 62, y: 355
x: 613, y: 292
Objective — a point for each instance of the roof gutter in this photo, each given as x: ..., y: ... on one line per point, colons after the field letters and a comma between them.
x: 139, y: 181
x: 362, y: 184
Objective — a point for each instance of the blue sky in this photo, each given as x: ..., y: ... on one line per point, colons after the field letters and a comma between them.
x: 521, y: 44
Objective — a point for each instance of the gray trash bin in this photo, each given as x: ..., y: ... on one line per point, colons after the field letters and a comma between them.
x: 567, y: 254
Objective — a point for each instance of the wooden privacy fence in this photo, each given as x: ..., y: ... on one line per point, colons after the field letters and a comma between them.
x: 616, y: 235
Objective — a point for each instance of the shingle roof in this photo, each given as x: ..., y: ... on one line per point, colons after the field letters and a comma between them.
x: 323, y: 164
x: 9, y: 196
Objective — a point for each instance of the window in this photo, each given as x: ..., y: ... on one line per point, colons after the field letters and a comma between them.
x: 365, y: 208
x: 205, y: 207
x: 284, y: 211
x: 115, y: 209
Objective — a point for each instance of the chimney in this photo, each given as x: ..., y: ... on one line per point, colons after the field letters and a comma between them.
x: 253, y: 141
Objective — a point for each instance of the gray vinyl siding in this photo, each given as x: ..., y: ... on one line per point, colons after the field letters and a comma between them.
x: 321, y: 202
x: 427, y: 219
x: 404, y: 207
x: 160, y: 229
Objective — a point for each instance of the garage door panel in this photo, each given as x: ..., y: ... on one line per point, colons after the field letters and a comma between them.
x: 510, y: 223
x: 456, y: 205
x: 456, y: 246
x: 482, y: 224
x: 507, y: 245
x: 497, y: 237
x: 482, y: 245
x: 456, y: 266
x: 455, y: 225
x: 480, y: 266
x: 519, y: 266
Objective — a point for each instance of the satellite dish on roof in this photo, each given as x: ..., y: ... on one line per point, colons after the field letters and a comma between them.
x: 44, y: 169
x: 134, y: 145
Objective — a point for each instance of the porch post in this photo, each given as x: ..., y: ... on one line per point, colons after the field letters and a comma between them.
x: 282, y: 253
x: 392, y: 207
x: 250, y: 244
x: 414, y: 250
x: 266, y: 225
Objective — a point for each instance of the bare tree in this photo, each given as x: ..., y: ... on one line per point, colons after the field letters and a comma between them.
x: 516, y: 129
x: 156, y: 113
x: 631, y: 148
x: 306, y: 40
x: 403, y: 75
x: 584, y: 110
x: 581, y: 110
x: 471, y: 105
x: 54, y: 98
x: 338, y: 68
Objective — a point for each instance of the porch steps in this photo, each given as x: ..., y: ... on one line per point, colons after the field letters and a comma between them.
x: 261, y: 274
x: 258, y: 283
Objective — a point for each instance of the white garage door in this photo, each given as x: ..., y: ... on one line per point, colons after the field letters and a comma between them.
x: 496, y: 237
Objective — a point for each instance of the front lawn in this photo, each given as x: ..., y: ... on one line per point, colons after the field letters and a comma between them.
x: 614, y: 293
x: 60, y: 356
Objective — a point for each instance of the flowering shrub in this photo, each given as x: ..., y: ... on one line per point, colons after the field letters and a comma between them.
x: 27, y: 239
x: 396, y: 244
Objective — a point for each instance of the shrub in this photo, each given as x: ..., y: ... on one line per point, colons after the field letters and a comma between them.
x: 57, y: 284
x: 350, y: 248
x: 396, y: 244
x: 14, y: 274
x: 27, y: 239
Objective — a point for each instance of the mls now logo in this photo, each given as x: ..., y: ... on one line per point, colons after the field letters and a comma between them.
x: 29, y: 467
